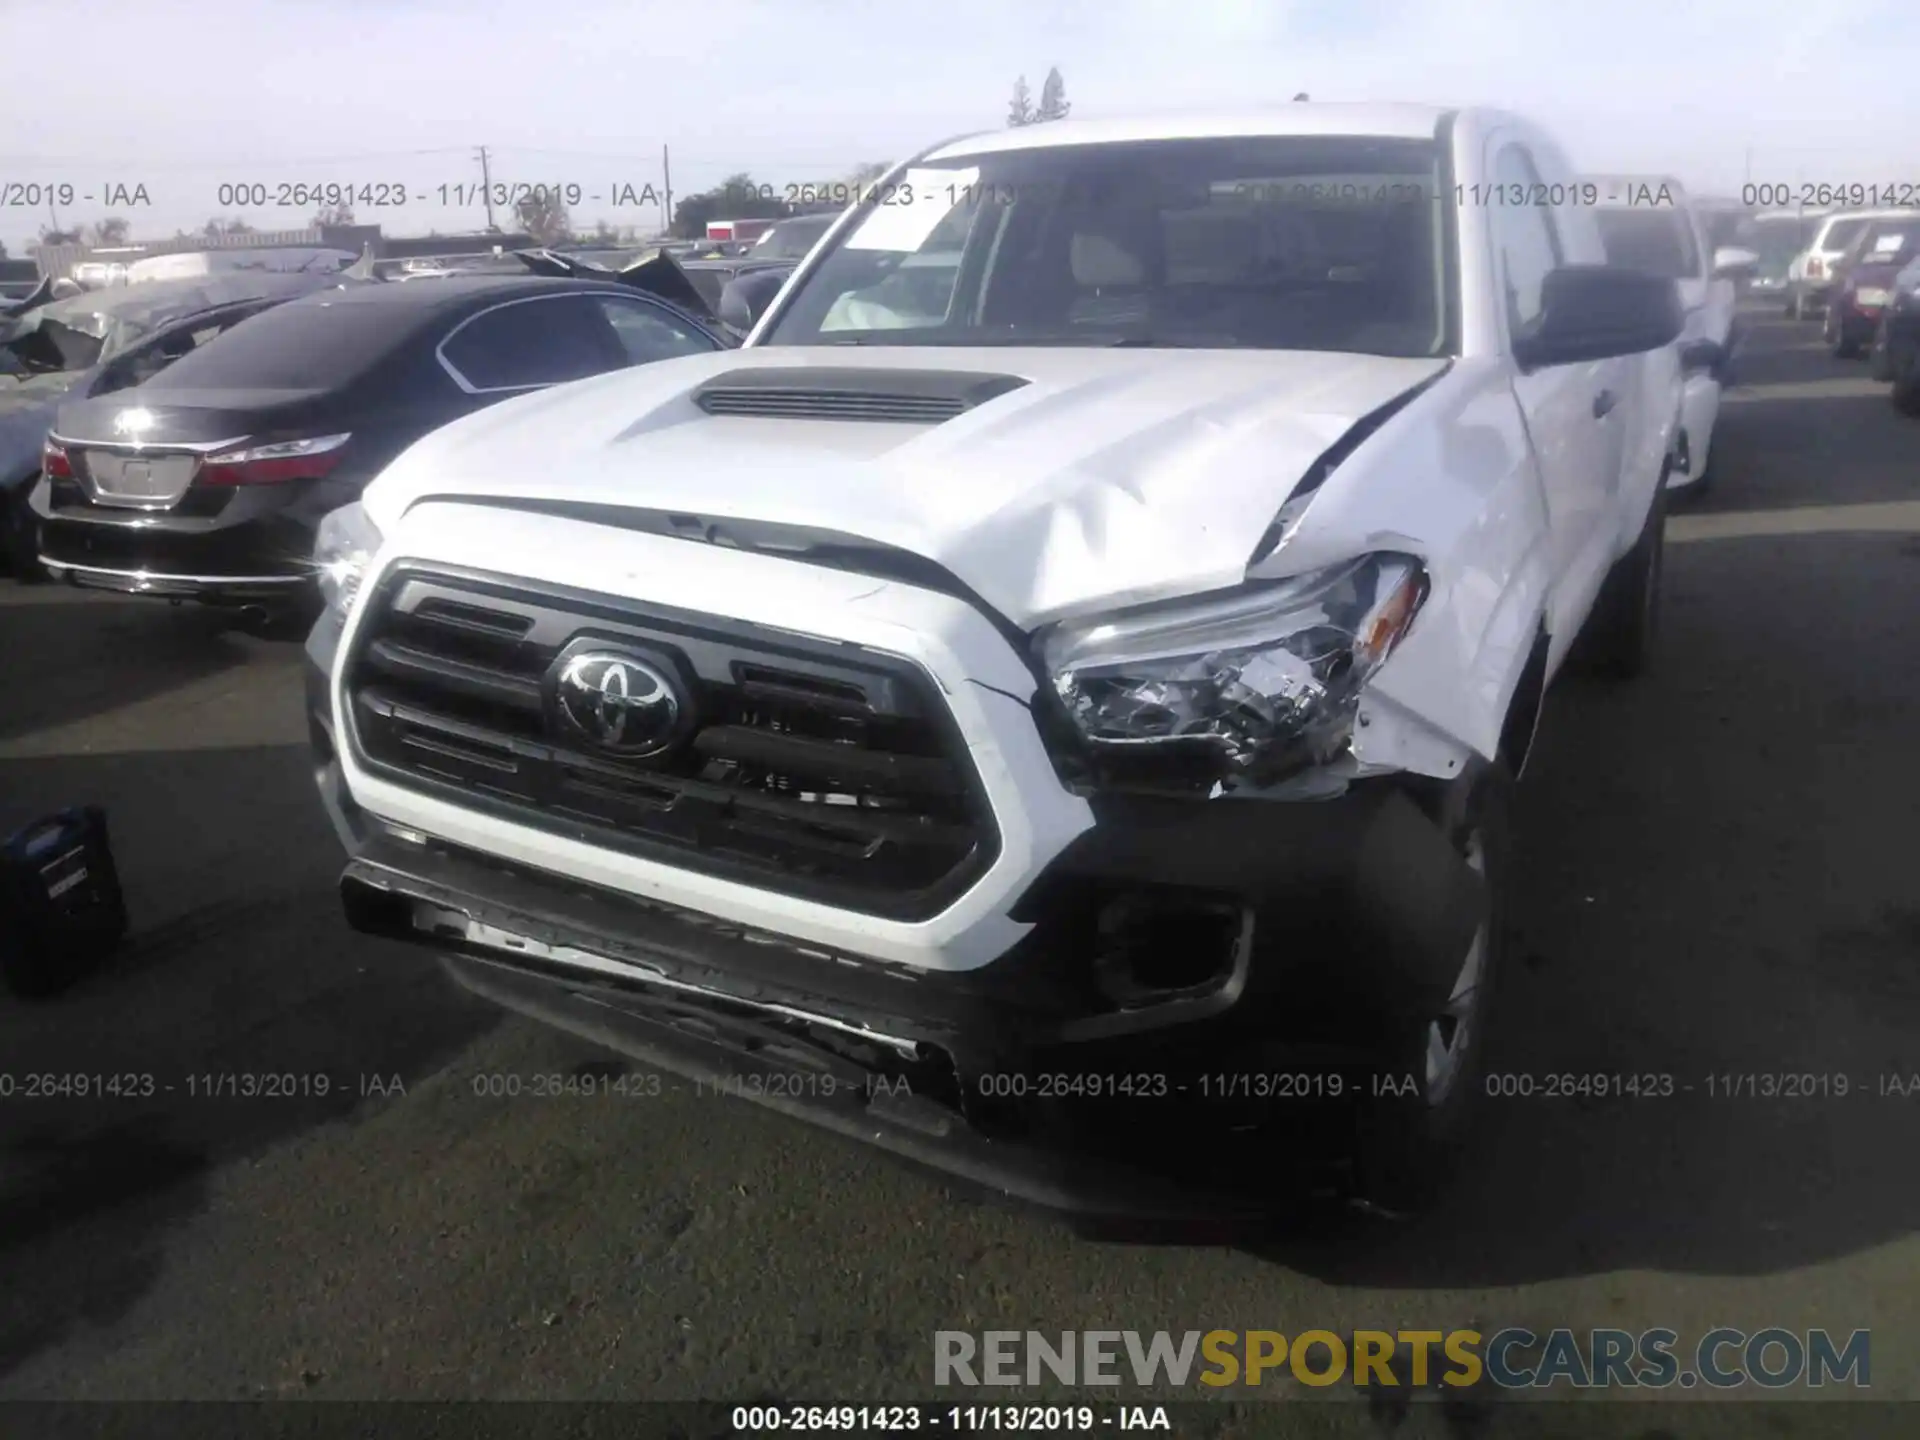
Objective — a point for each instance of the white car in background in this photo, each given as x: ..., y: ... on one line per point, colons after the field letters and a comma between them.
x: 1810, y: 277
x: 1778, y: 238
x: 1648, y: 223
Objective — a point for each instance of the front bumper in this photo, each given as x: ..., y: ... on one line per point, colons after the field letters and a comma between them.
x: 1301, y: 935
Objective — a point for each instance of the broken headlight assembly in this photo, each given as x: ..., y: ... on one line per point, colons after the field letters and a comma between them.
x: 343, y: 547
x: 1252, y: 685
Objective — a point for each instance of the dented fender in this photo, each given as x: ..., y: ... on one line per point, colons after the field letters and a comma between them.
x: 1451, y: 479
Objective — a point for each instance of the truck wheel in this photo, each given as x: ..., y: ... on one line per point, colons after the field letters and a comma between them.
x: 1410, y: 1139
x: 1617, y: 642
x: 1906, y: 380
x: 1879, y: 362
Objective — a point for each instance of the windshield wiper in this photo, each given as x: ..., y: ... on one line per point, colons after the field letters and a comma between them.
x: 1112, y: 340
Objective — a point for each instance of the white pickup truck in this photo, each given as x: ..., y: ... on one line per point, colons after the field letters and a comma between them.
x: 1648, y: 222
x: 1065, y: 673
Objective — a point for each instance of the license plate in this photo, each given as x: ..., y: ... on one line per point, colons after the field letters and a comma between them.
x: 145, y: 481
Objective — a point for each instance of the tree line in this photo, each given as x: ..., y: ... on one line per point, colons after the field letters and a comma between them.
x: 1053, y: 105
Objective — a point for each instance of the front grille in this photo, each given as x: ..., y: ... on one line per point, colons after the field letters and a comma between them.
x: 814, y: 769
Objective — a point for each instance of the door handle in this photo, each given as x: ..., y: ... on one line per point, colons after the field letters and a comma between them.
x: 1604, y: 402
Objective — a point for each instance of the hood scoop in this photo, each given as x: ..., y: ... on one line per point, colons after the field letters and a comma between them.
x: 909, y: 397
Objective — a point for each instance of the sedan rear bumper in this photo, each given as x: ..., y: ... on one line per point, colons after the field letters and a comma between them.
x: 238, y: 589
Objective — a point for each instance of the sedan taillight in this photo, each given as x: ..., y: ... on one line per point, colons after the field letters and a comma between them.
x: 54, y: 463
x: 275, y: 464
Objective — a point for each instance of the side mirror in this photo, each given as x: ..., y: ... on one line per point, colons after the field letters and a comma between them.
x: 746, y: 297
x: 1730, y: 262
x: 1598, y: 312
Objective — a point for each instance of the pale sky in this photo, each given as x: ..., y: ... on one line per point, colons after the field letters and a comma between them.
x: 182, y: 96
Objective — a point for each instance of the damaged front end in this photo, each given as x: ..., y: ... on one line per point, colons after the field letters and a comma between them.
x: 1194, y: 975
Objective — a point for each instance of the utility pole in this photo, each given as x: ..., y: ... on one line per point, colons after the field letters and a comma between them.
x: 486, y: 189
x: 666, y: 190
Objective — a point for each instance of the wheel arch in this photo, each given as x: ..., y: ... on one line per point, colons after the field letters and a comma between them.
x: 1525, y: 706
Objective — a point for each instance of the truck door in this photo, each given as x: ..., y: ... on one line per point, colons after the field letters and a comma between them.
x: 1576, y: 415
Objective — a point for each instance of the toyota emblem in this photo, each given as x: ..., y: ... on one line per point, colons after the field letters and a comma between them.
x: 620, y: 703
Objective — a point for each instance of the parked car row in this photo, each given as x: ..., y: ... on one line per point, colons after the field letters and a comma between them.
x: 184, y: 438
x: 1858, y: 272
x: 1896, y: 339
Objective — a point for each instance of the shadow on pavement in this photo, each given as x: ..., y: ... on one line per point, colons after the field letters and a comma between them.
x: 68, y: 657
x: 1801, y: 428
x: 239, y: 966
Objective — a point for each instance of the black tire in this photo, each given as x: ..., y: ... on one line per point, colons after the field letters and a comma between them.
x: 1410, y: 1140
x: 1906, y: 380
x: 19, y: 535
x: 1617, y: 643
x: 1879, y: 362
x: 1846, y: 345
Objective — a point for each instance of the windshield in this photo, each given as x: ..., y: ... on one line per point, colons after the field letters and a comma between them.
x: 792, y: 239
x: 1776, y: 241
x: 1886, y: 242
x: 1841, y: 233
x: 1276, y: 242
x: 1657, y: 241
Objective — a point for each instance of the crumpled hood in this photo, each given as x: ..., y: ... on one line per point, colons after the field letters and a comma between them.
x: 1111, y: 476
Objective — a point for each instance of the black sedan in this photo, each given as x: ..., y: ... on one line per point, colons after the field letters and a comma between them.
x: 101, y: 342
x: 208, y: 480
x: 1896, y: 343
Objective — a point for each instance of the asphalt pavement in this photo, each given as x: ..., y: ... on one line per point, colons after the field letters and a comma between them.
x: 1717, y: 879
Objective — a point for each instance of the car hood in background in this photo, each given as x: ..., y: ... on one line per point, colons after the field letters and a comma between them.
x: 116, y: 317
x: 1080, y: 476
x: 655, y: 273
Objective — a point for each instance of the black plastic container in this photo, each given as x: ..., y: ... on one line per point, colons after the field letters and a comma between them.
x: 61, y: 909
